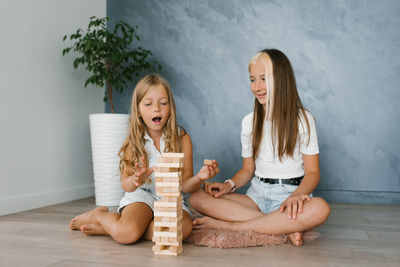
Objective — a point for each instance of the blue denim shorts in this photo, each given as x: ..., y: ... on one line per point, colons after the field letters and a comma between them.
x: 145, y: 195
x: 269, y: 197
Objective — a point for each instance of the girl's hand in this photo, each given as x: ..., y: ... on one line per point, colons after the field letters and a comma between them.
x: 294, y: 204
x: 217, y: 189
x: 141, y: 173
x: 209, y: 171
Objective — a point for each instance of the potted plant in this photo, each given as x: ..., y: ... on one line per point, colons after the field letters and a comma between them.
x: 112, y: 62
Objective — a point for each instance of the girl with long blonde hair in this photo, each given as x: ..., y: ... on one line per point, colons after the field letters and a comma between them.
x: 280, y: 158
x: 153, y: 129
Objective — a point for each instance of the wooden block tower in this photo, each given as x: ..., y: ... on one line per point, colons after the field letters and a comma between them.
x: 167, y: 231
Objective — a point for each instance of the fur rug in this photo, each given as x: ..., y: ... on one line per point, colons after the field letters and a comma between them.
x: 229, y: 239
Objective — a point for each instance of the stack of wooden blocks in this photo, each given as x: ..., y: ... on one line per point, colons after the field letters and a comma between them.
x: 167, y: 231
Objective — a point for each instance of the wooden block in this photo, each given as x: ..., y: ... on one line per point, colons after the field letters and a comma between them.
x: 163, y: 240
x: 177, y: 214
x: 167, y: 204
x: 175, y: 249
x: 176, y: 236
x: 167, y: 191
x: 166, y: 234
x: 166, y: 219
x: 175, y: 208
x: 168, y: 224
x: 168, y: 174
x: 169, y: 165
x: 177, y: 160
x: 164, y: 250
x: 176, y: 229
x: 157, y: 248
x: 168, y: 184
x: 166, y: 169
x: 168, y: 179
x: 173, y: 155
x: 174, y: 240
x: 164, y: 209
x: 167, y: 240
x: 175, y: 189
x: 167, y: 209
x: 171, y: 199
x: 169, y: 160
x: 167, y: 194
x: 167, y: 243
x: 208, y: 162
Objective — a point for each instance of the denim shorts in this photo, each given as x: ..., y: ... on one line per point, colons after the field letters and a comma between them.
x: 145, y: 195
x: 269, y: 197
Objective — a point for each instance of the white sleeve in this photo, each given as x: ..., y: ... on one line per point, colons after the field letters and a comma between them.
x: 309, y: 147
x: 246, y: 137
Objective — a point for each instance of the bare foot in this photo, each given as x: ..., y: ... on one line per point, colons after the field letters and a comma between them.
x: 92, y: 229
x: 85, y: 218
x: 209, y: 223
x: 296, y: 238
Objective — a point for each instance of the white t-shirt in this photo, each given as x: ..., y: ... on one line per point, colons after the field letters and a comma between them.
x: 268, y: 164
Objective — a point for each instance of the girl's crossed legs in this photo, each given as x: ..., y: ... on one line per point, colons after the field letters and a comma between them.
x: 135, y: 221
x: 238, y: 212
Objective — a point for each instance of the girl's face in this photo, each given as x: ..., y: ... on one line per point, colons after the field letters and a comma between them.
x: 257, y: 82
x: 154, y: 109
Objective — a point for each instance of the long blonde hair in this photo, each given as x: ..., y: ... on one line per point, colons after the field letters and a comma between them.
x: 132, y: 150
x: 285, y: 107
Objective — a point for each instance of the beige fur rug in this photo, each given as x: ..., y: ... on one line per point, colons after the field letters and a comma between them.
x: 229, y: 239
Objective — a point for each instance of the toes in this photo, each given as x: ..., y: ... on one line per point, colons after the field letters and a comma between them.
x: 197, y: 221
x: 197, y: 227
x: 72, y: 225
x: 296, y: 239
x: 201, y: 220
x: 90, y: 229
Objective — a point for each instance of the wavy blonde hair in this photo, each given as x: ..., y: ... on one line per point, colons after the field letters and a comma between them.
x: 132, y: 150
x: 285, y: 107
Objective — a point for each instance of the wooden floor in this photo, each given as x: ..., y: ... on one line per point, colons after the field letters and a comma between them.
x: 355, y: 235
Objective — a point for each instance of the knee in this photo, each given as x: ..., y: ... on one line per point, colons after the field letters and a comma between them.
x: 127, y: 234
x: 195, y: 198
x: 321, y: 210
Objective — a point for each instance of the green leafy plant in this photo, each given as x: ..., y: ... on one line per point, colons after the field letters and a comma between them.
x: 108, y: 55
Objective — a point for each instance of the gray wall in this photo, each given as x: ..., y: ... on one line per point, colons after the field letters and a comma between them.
x: 45, y: 154
x: 345, y: 57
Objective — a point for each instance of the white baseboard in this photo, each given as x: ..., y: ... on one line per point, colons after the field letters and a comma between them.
x: 41, y: 199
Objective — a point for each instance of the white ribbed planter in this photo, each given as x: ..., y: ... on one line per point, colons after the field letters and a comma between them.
x: 107, y: 133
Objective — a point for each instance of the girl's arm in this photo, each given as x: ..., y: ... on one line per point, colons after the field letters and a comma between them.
x: 241, y: 178
x: 294, y: 203
x: 131, y: 183
x: 311, y: 175
x: 192, y: 183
